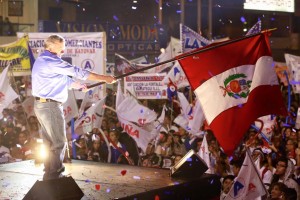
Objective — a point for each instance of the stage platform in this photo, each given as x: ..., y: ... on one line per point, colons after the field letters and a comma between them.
x: 110, y: 181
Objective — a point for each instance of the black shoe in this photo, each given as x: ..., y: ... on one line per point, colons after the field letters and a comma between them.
x: 62, y: 169
x: 55, y: 175
x: 67, y: 160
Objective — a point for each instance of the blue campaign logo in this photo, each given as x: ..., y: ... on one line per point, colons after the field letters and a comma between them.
x: 88, y: 64
x: 193, y: 44
x: 237, y: 187
x: 176, y: 71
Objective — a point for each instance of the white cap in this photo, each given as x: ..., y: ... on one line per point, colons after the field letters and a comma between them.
x: 95, y: 137
x: 174, y: 128
x: 163, y: 129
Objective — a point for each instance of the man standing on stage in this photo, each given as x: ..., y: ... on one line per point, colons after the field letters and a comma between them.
x: 51, y: 79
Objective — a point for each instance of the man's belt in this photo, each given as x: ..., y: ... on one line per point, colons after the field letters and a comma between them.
x: 43, y: 100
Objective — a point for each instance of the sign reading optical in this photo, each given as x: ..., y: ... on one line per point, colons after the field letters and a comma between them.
x: 270, y: 5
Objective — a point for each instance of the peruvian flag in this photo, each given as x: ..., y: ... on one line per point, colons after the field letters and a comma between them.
x: 235, y: 83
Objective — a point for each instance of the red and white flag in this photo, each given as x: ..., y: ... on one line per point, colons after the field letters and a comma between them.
x: 7, y: 93
x: 247, y: 185
x: 235, y: 83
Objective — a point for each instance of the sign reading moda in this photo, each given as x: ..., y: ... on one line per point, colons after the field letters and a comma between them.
x: 270, y: 5
x: 235, y: 83
x: 122, y: 38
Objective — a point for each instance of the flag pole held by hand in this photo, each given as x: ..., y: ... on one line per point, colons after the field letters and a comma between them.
x: 182, y: 56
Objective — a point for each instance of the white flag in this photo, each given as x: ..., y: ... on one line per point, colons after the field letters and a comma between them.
x: 297, y: 125
x: 7, y: 93
x: 268, y: 125
x: 177, y: 76
x: 247, y: 185
x: 90, y: 97
x: 91, y: 118
x: 130, y: 110
x: 293, y: 65
x: 204, y: 153
x: 70, y: 107
x: 191, y: 117
x: 120, y: 96
x: 124, y: 66
x: 196, y: 118
x: 159, y: 121
x: 162, y: 115
x: 191, y: 40
x: 181, y: 121
x: 140, y: 135
x: 186, y: 107
x: 28, y: 106
x: 173, y: 49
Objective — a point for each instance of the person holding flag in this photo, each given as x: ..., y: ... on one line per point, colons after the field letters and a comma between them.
x: 51, y: 79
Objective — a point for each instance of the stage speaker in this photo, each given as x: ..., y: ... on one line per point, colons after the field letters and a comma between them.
x: 56, y: 189
x: 191, y: 165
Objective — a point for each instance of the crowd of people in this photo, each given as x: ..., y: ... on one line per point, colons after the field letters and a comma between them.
x: 278, y: 161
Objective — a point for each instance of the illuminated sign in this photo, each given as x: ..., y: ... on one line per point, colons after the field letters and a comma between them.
x: 125, y: 39
x: 270, y: 5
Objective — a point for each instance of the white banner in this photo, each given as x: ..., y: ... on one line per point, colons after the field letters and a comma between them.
x: 146, y: 86
x: 293, y: 65
x: 85, y: 50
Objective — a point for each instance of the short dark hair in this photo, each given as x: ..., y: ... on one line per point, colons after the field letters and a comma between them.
x: 237, y: 163
x: 231, y: 177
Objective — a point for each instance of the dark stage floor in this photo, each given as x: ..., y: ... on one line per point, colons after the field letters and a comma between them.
x: 109, y: 181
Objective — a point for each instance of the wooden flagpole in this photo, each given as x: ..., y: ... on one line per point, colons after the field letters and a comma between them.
x: 185, y: 55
